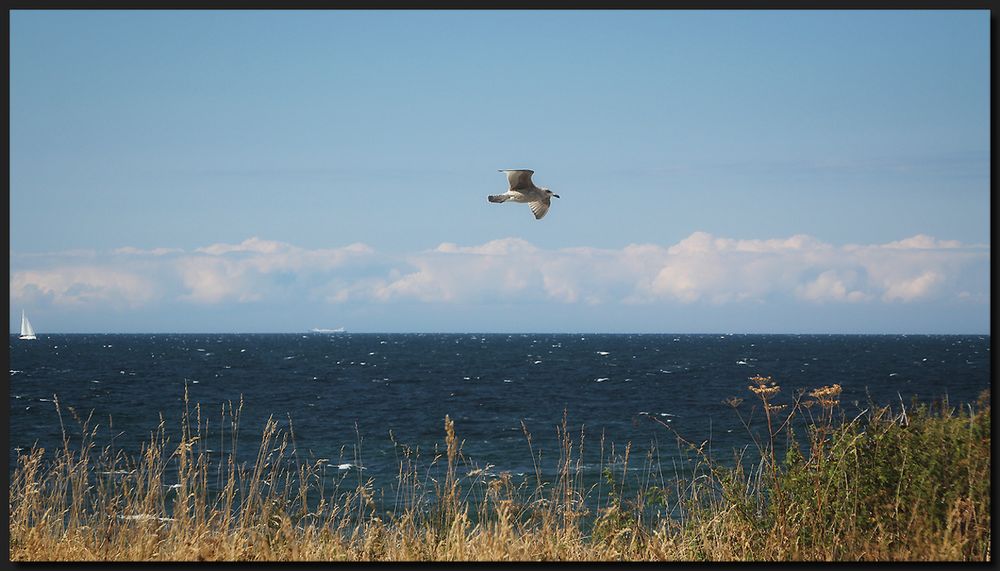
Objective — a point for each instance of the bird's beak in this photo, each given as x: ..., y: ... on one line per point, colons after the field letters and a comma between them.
x: 556, y: 195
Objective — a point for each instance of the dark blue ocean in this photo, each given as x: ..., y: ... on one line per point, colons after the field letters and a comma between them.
x: 344, y: 393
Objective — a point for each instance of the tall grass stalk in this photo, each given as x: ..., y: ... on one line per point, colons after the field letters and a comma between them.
x: 818, y: 484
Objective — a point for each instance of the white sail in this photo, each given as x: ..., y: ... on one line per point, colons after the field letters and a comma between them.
x: 26, y: 331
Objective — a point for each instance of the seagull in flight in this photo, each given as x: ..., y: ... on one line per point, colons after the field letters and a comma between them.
x: 523, y: 190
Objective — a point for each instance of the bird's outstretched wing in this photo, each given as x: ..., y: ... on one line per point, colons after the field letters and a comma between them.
x: 519, y: 179
x: 540, y: 207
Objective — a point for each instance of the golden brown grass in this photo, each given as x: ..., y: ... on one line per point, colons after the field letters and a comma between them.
x: 905, y: 485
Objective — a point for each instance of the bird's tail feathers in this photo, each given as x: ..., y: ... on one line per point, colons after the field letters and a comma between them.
x: 497, y: 197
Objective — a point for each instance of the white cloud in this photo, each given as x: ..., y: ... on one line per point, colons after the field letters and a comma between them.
x: 82, y: 286
x: 832, y: 285
x: 501, y: 247
x: 700, y: 269
x: 912, y: 289
x: 211, y: 280
x: 922, y: 241
x: 494, y: 270
x: 252, y: 270
x: 252, y: 245
x: 242, y: 272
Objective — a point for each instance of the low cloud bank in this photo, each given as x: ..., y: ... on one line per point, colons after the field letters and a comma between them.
x: 701, y: 268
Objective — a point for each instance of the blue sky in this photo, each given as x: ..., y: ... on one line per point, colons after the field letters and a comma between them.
x: 770, y: 171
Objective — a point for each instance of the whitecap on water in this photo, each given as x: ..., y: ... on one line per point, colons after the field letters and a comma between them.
x: 602, y: 353
x: 601, y: 380
x: 346, y: 466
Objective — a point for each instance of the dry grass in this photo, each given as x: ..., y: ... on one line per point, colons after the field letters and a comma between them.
x: 904, y: 485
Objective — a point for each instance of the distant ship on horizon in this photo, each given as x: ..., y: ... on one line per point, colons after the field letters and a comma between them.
x: 319, y: 330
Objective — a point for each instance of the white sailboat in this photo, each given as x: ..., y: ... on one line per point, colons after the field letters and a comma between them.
x: 26, y: 331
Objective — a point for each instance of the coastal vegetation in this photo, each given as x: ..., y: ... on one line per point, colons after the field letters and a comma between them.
x: 813, y: 483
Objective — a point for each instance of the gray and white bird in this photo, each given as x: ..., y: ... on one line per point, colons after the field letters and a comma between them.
x: 523, y: 190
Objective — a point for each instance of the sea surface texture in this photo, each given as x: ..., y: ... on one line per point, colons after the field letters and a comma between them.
x: 353, y: 399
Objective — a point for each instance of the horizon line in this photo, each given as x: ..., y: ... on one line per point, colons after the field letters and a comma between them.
x: 318, y: 333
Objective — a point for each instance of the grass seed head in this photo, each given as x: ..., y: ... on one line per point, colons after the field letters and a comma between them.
x: 827, y: 396
x: 764, y: 387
